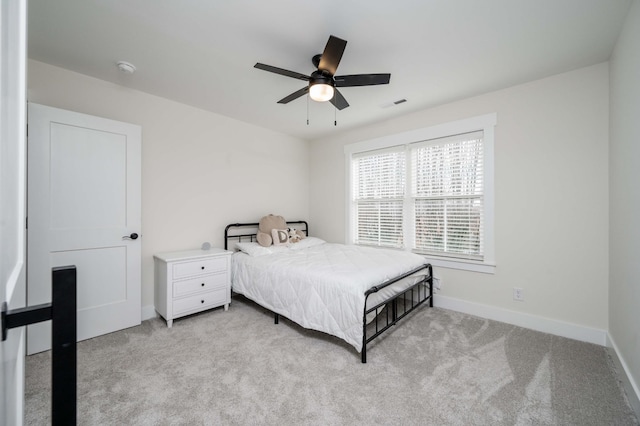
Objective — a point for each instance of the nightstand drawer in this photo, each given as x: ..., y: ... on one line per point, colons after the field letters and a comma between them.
x: 201, y: 266
x: 199, y: 284
x: 200, y: 301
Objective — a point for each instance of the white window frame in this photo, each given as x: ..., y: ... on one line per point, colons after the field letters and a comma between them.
x: 486, y: 124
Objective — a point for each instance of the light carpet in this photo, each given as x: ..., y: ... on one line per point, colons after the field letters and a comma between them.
x: 437, y: 367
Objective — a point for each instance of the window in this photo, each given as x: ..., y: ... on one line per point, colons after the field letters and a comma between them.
x: 379, y: 188
x: 447, y: 196
x: 429, y: 191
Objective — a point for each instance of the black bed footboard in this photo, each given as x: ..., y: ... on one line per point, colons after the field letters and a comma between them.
x: 397, y: 306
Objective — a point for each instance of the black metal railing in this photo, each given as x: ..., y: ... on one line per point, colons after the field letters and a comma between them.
x: 63, y: 312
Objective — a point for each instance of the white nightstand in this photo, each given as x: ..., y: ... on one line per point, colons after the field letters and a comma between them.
x: 191, y: 281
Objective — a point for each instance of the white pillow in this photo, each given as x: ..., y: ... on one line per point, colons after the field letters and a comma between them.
x: 306, y: 242
x: 253, y: 249
x: 280, y: 236
x: 279, y: 249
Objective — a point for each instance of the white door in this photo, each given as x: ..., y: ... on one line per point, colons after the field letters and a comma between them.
x: 83, y: 205
x: 12, y: 202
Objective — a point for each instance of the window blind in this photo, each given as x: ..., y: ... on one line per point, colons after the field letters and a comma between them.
x: 447, y: 192
x: 379, y: 182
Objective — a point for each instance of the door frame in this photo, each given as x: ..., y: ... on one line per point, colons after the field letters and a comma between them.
x: 13, y: 90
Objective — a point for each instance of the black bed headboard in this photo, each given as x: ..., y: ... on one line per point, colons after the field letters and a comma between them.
x: 247, y: 231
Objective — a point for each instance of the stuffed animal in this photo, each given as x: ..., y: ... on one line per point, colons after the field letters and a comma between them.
x: 294, y: 235
x: 301, y: 235
x: 265, y: 227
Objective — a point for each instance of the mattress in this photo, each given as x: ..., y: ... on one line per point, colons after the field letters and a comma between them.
x: 322, y: 287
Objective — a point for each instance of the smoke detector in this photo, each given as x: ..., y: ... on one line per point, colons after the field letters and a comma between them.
x: 126, y: 67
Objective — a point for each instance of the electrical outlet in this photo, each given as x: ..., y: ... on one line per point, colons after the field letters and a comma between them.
x: 518, y: 294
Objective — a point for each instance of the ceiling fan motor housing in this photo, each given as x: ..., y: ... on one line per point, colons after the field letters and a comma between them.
x: 321, y: 77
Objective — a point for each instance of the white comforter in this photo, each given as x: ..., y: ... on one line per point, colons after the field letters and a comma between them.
x: 320, y: 287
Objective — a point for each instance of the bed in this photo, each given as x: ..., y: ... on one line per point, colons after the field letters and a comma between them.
x: 352, y: 292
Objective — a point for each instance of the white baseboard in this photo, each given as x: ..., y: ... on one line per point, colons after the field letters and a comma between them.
x: 630, y: 386
x: 148, y: 312
x: 533, y: 322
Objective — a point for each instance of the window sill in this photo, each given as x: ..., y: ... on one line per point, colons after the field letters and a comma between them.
x: 464, y: 265
x: 448, y: 262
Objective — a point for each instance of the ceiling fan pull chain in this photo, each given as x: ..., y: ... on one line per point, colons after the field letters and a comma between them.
x: 307, y: 110
x: 335, y: 116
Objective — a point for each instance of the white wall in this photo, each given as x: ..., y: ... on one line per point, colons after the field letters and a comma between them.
x: 624, y: 173
x: 200, y: 170
x: 551, y: 200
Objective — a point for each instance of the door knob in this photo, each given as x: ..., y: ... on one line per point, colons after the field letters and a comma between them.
x: 133, y: 236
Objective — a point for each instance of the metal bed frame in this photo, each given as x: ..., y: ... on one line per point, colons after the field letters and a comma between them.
x: 391, y: 310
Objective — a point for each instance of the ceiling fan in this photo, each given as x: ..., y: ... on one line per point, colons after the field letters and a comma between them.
x: 323, y: 83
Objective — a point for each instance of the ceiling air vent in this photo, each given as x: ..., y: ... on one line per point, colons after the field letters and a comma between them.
x: 394, y: 103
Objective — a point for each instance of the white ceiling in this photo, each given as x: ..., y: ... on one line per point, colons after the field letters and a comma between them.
x: 202, y: 52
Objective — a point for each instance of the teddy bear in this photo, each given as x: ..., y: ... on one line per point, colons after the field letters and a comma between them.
x: 267, y: 224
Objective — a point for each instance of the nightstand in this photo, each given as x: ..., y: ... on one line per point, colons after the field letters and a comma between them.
x: 191, y: 281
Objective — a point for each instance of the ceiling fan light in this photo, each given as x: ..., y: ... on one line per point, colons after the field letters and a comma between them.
x: 321, y: 92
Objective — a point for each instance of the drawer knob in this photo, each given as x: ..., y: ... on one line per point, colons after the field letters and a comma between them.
x: 202, y: 301
x: 202, y: 267
x: 202, y: 284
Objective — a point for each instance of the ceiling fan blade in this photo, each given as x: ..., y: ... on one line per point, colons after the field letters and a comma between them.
x: 281, y: 71
x: 339, y: 101
x: 332, y: 54
x: 361, y: 80
x: 294, y: 95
